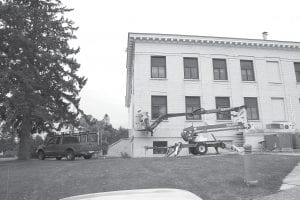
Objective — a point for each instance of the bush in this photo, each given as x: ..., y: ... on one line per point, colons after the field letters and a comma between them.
x: 125, y: 155
x: 10, y: 154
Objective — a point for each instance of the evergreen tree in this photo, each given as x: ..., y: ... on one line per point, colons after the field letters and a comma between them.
x: 39, y: 85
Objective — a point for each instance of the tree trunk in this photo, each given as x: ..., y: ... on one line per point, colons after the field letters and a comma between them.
x: 25, y: 140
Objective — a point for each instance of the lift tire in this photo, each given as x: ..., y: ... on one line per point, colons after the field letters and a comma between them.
x: 201, y: 148
x: 193, y: 150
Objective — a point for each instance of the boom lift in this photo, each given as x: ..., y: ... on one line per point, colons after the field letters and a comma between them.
x: 196, y: 143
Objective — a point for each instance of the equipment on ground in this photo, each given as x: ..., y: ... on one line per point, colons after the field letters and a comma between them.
x: 196, y: 143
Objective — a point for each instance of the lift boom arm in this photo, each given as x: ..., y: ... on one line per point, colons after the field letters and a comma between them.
x: 149, y: 128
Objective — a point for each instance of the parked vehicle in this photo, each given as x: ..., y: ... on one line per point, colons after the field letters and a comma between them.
x: 68, y: 146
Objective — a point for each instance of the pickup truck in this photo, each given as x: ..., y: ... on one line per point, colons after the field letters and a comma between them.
x: 66, y: 146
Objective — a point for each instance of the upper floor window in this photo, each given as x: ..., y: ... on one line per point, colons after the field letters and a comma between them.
x: 223, y: 102
x: 158, y: 67
x: 220, y: 69
x: 297, y: 71
x: 158, y: 106
x: 191, y: 104
x: 190, y: 68
x: 252, y: 108
x: 247, y: 70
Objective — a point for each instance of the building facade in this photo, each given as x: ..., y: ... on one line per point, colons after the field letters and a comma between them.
x: 179, y: 73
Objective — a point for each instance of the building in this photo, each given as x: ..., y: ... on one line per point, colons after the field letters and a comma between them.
x: 178, y: 73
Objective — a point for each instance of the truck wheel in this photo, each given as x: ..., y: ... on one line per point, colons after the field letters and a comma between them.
x: 70, y: 155
x: 201, y: 148
x: 87, y: 156
x: 58, y: 158
x: 41, y: 155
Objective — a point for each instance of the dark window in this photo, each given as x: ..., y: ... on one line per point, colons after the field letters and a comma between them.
x: 58, y: 140
x: 158, y: 67
x: 220, y: 69
x: 247, y: 70
x: 92, y: 138
x: 297, y: 71
x: 191, y: 104
x: 83, y: 138
x: 190, y: 68
x: 51, y: 141
x: 223, y: 102
x: 160, y: 144
x: 252, y: 108
x: 158, y: 106
x: 70, y: 140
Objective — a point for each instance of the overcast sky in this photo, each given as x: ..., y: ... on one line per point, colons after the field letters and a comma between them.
x: 104, y: 25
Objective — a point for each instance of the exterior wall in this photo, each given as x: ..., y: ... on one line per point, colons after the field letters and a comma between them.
x: 122, y: 146
x: 176, y: 88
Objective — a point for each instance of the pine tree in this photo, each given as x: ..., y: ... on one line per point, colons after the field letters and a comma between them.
x: 39, y: 85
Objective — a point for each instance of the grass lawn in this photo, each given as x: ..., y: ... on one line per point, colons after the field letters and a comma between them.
x: 210, y: 177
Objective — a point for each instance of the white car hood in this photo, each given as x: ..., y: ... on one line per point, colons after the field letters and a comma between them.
x: 141, y: 194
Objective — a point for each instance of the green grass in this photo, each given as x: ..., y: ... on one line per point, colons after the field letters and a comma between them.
x: 210, y: 177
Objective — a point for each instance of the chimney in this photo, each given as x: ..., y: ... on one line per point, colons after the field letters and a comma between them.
x: 265, y: 35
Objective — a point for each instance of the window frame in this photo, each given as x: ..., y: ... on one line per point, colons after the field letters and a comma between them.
x: 194, y: 117
x: 248, y: 107
x: 297, y: 71
x: 166, y: 101
x: 219, y: 71
x: 252, y: 70
x: 218, y: 115
x: 160, y: 151
x: 190, y: 69
x: 165, y: 67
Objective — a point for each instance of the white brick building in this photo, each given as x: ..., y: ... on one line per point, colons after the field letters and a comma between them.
x: 175, y: 73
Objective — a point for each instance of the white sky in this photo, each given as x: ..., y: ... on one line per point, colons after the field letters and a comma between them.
x: 104, y: 25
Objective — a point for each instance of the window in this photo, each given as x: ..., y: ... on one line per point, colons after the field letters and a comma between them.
x: 162, y: 147
x: 191, y: 104
x: 158, y: 106
x: 273, y: 72
x: 247, y: 70
x: 252, y: 108
x: 190, y: 68
x: 278, y: 109
x: 297, y: 71
x: 158, y: 67
x: 70, y: 140
x: 58, y: 140
x: 220, y: 69
x: 223, y: 102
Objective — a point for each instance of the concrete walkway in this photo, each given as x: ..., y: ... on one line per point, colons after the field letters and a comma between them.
x: 290, y: 188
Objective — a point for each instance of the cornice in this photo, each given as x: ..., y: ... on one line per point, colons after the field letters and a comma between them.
x: 215, y: 41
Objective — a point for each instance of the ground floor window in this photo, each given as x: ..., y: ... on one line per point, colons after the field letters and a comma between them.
x: 160, y: 144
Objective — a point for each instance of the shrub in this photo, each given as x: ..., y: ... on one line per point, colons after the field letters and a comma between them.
x: 125, y: 155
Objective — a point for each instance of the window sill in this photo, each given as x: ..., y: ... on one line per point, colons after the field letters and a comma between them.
x: 221, y: 80
x: 253, y: 120
x: 159, y: 79
x: 275, y: 83
x: 193, y: 120
x: 225, y: 120
x: 197, y: 80
x: 249, y: 82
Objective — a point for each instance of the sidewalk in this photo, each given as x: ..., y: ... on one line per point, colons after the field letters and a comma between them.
x: 290, y: 189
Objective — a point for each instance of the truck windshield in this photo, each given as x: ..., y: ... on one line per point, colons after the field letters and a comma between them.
x: 68, y: 140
